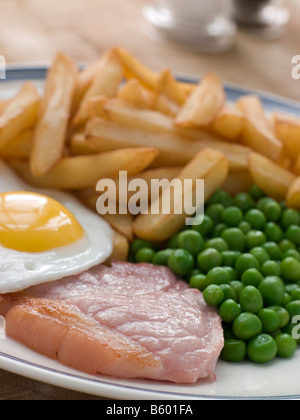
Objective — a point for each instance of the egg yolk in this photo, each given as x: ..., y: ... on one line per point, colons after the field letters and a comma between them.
x: 32, y: 222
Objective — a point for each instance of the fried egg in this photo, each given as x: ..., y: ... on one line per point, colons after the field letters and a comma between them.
x: 45, y: 235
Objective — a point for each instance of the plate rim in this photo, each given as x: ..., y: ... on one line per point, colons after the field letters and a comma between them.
x: 34, y: 370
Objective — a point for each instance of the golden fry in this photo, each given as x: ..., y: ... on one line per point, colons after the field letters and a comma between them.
x: 51, y: 128
x: 105, y: 83
x: 19, y: 115
x: 258, y: 133
x: 204, y: 103
x: 210, y: 165
x: 137, y: 95
x: 79, y: 172
x: 174, y: 150
x: 270, y: 177
x: 287, y: 129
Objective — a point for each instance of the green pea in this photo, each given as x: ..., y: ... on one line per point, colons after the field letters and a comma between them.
x: 252, y: 277
x: 208, y: 259
x: 295, y: 294
x: 234, y: 351
x: 286, y: 345
x: 293, y: 308
x: 246, y: 326
x: 162, y: 257
x: 293, y: 329
x: 293, y: 234
x: 229, y: 310
x: 232, y: 273
x: 145, y: 255
x: 255, y: 238
x: 287, y: 299
x: 204, y: 228
x: 273, y: 232
x: 256, y: 193
x: 270, y: 319
x: 213, y: 295
x: 290, y: 287
x: 273, y: 250
x: 260, y: 254
x: 283, y: 315
x: 215, y: 211
x: 290, y: 217
x: 198, y: 282
x: 229, y: 292
x: 235, y: 239
x: 237, y: 287
x: 245, y: 227
x: 220, y: 197
x: 138, y: 244
x: 286, y: 245
x: 181, y: 262
x: 263, y: 202
x: 217, y: 243
x: 218, y: 230
x: 262, y: 349
x: 290, y: 269
x: 251, y: 299
x: 292, y: 253
x: 191, y: 241
x: 229, y: 257
x: 244, y: 201
x: 218, y: 275
x: 271, y: 268
x: 256, y: 219
x: 232, y: 216
x: 173, y: 242
x: 272, y: 290
x: 244, y: 262
x: 272, y: 210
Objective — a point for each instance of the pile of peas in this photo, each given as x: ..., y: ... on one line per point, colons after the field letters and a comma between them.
x: 245, y: 258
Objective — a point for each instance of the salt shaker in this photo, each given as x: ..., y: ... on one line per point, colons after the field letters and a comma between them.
x: 204, y: 25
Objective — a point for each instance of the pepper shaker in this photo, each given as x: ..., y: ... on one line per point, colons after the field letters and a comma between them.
x: 264, y: 17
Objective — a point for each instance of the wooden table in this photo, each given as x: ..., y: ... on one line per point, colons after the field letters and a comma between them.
x: 33, y: 30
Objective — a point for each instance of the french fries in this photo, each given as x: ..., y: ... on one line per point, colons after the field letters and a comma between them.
x: 270, y: 177
x: 258, y: 133
x: 293, y: 194
x: 119, y: 115
x: 174, y: 150
x: 20, y: 147
x: 120, y: 248
x: 133, y: 68
x: 19, y: 114
x: 287, y: 129
x: 210, y: 165
x: 79, y: 172
x: 135, y: 94
x: 203, y: 104
x: 170, y: 88
x: 229, y: 123
x: 51, y: 128
x: 105, y: 83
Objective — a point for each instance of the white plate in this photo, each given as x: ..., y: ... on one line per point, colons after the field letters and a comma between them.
x: 278, y: 379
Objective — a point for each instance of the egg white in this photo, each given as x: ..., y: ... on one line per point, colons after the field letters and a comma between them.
x: 20, y: 270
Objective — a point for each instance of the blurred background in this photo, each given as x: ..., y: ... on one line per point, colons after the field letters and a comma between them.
x: 33, y: 30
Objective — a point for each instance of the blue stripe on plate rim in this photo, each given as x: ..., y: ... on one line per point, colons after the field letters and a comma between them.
x: 271, y: 102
